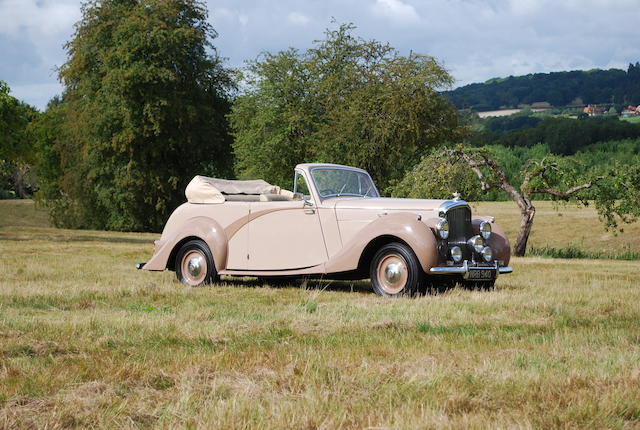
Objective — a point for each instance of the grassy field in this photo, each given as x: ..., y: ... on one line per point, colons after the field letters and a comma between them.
x: 88, y: 341
x: 559, y: 226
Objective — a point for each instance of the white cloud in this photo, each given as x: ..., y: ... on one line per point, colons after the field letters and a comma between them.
x: 525, y: 7
x: 45, y: 18
x: 222, y: 13
x: 297, y: 18
x: 32, y: 35
x: 475, y: 39
x: 396, y: 10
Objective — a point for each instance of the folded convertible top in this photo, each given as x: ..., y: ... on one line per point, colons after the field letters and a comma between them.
x: 203, y: 189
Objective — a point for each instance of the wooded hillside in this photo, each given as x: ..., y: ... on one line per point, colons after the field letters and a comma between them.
x: 559, y: 88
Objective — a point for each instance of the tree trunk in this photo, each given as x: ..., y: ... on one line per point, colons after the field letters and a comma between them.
x: 526, y: 222
x: 20, y: 179
x: 476, y: 160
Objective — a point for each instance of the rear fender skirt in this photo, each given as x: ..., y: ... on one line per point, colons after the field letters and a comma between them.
x: 405, y: 226
x: 202, y: 228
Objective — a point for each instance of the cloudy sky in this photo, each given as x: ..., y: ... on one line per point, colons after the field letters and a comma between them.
x: 474, y: 39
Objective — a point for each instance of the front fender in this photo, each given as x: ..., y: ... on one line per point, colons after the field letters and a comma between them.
x: 199, y: 227
x: 405, y: 226
x: 499, y: 242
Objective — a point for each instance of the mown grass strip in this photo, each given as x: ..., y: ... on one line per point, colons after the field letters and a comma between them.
x: 573, y: 251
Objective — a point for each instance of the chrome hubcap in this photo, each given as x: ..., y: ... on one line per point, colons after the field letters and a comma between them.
x: 195, y: 266
x: 393, y: 273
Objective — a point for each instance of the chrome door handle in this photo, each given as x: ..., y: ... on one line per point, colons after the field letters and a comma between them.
x: 309, y: 211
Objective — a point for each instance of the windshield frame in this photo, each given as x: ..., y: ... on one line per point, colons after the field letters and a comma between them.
x: 370, y: 194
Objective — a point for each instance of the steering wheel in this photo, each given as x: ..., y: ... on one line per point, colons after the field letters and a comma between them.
x: 327, y: 191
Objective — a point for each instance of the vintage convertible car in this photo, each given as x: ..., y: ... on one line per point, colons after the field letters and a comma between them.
x: 334, y: 224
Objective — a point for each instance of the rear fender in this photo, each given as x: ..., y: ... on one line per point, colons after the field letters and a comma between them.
x: 202, y: 228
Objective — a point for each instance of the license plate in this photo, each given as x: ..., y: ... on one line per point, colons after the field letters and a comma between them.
x: 481, y: 274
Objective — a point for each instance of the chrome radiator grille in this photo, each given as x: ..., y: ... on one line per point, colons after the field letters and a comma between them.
x: 459, y: 219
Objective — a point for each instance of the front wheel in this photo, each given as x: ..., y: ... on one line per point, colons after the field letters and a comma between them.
x: 395, y: 271
x: 194, y: 264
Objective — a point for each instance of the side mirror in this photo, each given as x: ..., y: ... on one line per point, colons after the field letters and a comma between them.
x: 307, y: 202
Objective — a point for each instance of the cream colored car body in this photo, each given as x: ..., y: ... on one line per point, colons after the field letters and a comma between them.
x: 315, y: 236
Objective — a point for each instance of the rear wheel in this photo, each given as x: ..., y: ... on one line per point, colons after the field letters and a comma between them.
x: 194, y: 264
x: 395, y: 271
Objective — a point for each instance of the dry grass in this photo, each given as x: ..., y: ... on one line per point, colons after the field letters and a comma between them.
x: 87, y: 341
x: 558, y: 226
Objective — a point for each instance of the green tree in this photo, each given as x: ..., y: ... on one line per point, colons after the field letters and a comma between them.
x: 145, y: 104
x: 438, y: 176
x: 13, y: 122
x: 274, y: 120
x: 16, y: 155
x: 347, y: 100
x: 46, y: 133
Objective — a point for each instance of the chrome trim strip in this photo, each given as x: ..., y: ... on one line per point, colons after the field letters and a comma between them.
x: 271, y: 270
x: 312, y: 189
x: 450, y: 204
x: 450, y: 270
x: 340, y: 167
x: 464, y: 269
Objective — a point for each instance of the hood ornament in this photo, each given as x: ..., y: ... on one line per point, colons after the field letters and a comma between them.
x: 456, y: 196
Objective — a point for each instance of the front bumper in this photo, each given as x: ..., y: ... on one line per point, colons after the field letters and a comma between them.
x: 468, y: 267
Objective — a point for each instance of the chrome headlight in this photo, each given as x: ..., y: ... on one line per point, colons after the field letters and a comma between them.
x: 476, y: 243
x: 456, y: 254
x: 487, y: 254
x: 485, y: 230
x: 442, y: 228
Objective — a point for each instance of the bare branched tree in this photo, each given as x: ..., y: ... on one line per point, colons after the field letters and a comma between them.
x: 613, y: 188
x: 491, y: 175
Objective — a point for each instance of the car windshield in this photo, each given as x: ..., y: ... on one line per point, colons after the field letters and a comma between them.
x: 343, y: 182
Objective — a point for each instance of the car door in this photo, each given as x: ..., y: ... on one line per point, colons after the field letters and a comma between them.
x: 286, y: 235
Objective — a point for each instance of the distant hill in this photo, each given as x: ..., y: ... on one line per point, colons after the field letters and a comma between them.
x: 559, y: 88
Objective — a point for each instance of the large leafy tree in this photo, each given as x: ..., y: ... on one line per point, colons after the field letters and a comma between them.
x: 145, y: 104
x: 347, y: 100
